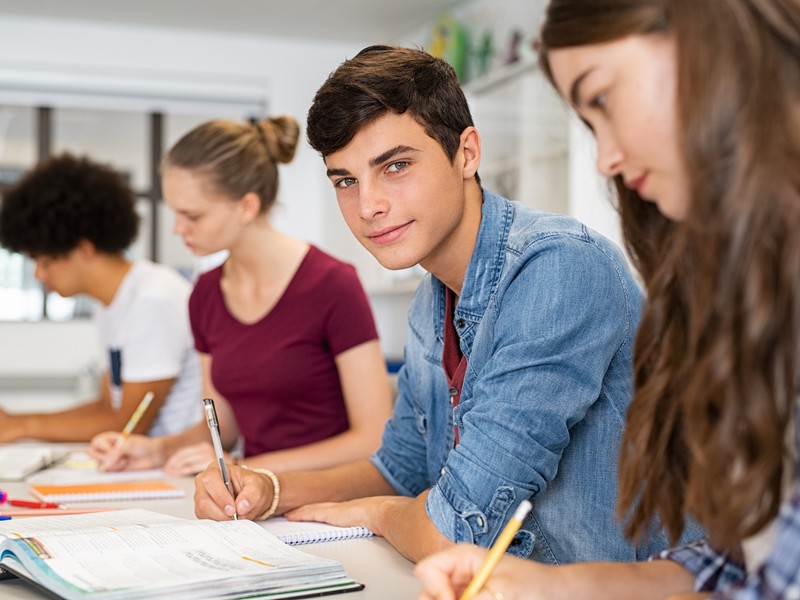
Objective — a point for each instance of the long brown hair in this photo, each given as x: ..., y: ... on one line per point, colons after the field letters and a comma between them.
x: 238, y: 158
x: 716, y: 367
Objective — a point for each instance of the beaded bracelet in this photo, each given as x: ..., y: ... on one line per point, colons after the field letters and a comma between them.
x: 276, y: 487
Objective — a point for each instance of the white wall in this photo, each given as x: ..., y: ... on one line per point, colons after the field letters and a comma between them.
x: 589, y: 198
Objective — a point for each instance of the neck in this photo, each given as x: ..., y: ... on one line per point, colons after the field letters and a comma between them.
x: 449, y: 261
x: 261, y: 253
x: 105, y: 276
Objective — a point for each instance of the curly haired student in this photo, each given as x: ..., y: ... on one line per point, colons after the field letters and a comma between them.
x: 76, y: 218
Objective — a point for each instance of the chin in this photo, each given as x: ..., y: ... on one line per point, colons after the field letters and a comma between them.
x: 395, y: 263
x: 672, y: 211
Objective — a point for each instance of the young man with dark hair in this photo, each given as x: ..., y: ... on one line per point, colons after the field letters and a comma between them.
x: 76, y: 218
x: 518, y: 368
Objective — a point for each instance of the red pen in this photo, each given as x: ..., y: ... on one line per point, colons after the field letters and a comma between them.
x: 32, y: 504
x: 4, y: 499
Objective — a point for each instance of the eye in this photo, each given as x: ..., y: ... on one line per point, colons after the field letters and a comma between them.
x: 345, y: 182
x: 599, y: 101
x: 397, y: 166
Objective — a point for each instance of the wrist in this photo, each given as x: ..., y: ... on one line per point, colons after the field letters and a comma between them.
x: 276, y: 493
x: 162, y: 449
x: 22, y: 427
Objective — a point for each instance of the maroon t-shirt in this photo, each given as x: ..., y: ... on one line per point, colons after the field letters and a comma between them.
x: 279, y: 373
x: 454, y: 362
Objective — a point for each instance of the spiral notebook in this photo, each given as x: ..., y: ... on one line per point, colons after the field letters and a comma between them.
x: 295, y: 533
x: 104, y: 492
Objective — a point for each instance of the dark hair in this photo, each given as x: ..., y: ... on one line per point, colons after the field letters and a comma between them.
x: 64, y: 200
x: 238, y: 158
x: 388, y: 78
x: 716, y: 367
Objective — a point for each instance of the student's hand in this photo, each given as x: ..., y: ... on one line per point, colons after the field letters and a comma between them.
x: 444, y: 575
x: 113, y: 453
x: 362, y: 511
x: 191, y: 460
x: 253, y: 493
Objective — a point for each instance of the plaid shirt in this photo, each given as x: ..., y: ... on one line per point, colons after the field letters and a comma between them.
x: 777, y: 579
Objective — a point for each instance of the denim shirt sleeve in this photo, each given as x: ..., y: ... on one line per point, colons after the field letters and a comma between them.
x: 402, y: 458
x: 538, y: 364
x: 778, y: 577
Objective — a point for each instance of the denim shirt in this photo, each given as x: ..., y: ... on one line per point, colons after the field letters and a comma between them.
x: 547, y: 315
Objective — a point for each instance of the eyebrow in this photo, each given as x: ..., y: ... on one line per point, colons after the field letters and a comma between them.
x: 575, y: 90
x: 375, y: 161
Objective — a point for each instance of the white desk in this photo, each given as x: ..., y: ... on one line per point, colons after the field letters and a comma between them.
x: 371, y: 561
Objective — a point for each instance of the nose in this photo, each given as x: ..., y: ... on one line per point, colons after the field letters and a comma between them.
x: 178, y: 226
x: 372, y: 200
x: 609, y: 155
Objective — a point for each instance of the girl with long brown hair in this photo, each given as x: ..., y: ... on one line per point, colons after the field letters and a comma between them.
x: 695, y: 106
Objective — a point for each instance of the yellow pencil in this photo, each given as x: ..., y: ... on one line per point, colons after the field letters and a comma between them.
x: 497, y: 551
x: 136, y: 416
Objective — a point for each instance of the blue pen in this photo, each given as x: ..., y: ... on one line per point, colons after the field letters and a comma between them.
x: 5, y: 518
x: 115, y: 356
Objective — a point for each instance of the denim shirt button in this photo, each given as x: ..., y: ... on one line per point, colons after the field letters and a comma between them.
x: 480, y: 521
x: 442, y: 472
x: 460, y: 324
x: 453, y: 392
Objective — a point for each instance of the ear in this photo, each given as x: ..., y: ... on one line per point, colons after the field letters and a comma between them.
x: 471, y: 152
x: 249, y: 208
x: 86, y: 249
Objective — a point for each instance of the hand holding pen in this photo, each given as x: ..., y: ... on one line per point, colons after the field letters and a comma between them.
x: 213, y: 426
x: 127, y: 430
x: 496, y: 552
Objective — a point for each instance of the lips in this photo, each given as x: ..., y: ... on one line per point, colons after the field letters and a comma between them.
x: 636, y: 184
x: 387, y: 235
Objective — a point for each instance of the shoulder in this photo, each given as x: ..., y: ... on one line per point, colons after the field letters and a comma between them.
x: 321, y: 269
x: 159, y: 282
x: 321, y: 261
x: 556, y: 261
x: 564, y: 241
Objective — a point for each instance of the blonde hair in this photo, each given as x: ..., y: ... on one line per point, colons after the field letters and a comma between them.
x: 238, y: 158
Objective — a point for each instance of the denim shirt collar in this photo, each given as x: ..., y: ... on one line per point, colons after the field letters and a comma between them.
x: 483, y: 271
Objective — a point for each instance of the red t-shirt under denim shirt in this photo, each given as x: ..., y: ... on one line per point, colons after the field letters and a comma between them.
x: 453, y: 361
x: 278, y: 374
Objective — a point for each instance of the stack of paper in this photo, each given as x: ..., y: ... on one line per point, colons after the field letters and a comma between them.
x: 17, y: 461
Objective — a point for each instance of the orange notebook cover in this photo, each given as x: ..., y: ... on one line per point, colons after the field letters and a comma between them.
x: 102, y: 492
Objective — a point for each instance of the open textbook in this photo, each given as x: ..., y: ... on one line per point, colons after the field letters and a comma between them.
x: 136, y: 553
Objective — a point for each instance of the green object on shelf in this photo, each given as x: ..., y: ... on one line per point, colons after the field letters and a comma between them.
x: 450, y: 42
x: 483, y: 53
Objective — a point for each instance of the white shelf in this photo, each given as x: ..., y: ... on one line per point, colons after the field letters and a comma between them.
x: 499, y: 75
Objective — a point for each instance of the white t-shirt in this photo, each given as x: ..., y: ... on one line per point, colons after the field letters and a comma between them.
x: 148, y: 322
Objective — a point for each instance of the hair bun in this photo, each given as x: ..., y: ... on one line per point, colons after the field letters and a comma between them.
x: 280, y: 134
